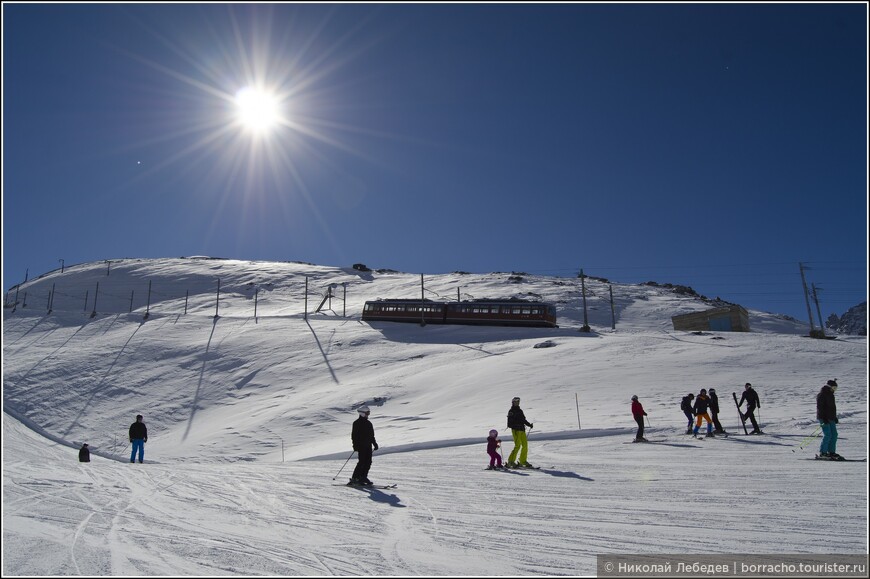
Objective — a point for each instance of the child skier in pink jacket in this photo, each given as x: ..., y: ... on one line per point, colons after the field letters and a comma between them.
x: 492, y: 445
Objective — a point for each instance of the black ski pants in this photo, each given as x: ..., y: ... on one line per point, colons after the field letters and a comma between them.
x: 639, y: 420
x: 361, y: 472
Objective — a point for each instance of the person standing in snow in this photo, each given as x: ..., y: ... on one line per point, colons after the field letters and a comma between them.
x: 638, y: 413
x: 516, y: 421
x: 702, y: 403
x: 492, y: 445
x: 138, y: 437
x: 84, y: 453
x: 826, y: 413
x: 362, y: 436
x: 714, y: 412
x: 686, y: 407
x: 752, y: 402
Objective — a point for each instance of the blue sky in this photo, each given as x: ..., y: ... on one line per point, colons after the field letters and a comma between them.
x: 715, y: 146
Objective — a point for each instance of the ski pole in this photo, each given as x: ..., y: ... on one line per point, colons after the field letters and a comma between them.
x: 342, y: 466
x: 809, y: 438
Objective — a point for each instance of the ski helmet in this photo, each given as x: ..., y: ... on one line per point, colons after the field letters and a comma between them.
x: 493, y: 433
x: 832, y: 384
x: 703, y: 390
x: 516, y: 400
x: 363, y: 409
x: 634, y: 397
x: 712, y: 390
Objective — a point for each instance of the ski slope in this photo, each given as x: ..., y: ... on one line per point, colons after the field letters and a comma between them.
x: 249, y: 429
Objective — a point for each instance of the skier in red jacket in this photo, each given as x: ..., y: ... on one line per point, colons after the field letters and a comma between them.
x: 638, y: 413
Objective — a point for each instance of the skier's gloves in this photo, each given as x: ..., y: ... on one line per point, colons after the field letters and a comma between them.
x: 376, y: 446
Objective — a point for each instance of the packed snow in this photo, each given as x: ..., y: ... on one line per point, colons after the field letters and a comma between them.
x: 249, y: 403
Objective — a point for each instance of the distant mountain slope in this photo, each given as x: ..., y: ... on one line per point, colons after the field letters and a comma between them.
x: 853, y: 322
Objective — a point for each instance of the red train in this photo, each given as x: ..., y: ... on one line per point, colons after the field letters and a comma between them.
x: 480, y: 312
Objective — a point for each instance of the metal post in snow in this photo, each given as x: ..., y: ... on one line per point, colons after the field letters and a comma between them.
x: 305, y: 313
x: 131, y: 300
x: 87, y: 293
x: 577, y: 402
x: 344, y: 301
x: 217, y: 300
x: 96, y: 295
x: 148, y: 301
x: 186, y: 296
x: 256, y: 294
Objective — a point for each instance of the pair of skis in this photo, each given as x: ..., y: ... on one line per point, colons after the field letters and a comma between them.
x: 742, y: 416
x: 356, y: 486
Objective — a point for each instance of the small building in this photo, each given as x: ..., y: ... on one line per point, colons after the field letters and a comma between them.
x: 731, y: 318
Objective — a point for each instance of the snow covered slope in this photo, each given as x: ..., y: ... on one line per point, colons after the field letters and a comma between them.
x: 249, y: 422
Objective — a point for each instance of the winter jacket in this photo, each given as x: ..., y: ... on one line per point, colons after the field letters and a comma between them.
x: 84, y: 454
x: 516, y: 419
x: 714, y: 403
x: 637, y: 409
x: 751, y: 398
x: 702, y: 402
x: 826, y: 406
x: 138, y: 430
x: 362, y: 435
x: 686, y: 404
x: 492, y: 444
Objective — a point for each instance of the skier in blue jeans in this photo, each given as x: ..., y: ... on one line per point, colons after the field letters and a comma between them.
x: 138, y: 438
x: 826, y: 412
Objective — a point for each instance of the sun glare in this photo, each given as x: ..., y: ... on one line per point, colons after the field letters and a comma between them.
x: 258, y: 110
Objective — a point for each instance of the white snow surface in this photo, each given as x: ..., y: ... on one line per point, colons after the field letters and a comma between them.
x: 249, y: 428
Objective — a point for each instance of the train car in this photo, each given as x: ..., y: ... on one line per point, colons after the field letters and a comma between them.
x: 478, y: 312
x: 404, y: 311
x: 501, y: 313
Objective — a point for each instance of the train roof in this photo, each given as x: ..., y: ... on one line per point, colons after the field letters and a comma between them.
x: 474, y: 301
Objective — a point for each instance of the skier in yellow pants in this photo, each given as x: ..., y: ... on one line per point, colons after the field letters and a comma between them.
x: 516, y: 421
x: 702, y: 403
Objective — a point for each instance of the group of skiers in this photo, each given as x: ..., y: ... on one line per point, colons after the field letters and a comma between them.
x: 362, y: 438
x: 138, y: 437
x: 826, y: 414
x: 706, y: 409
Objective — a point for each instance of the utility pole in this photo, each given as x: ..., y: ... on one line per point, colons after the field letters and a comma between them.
x: 818, y: 309
x: 807, y: 297
x: 585, y: 327
x: 612, y: 311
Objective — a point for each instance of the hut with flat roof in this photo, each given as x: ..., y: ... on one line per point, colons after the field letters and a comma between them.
x: 733, y: 318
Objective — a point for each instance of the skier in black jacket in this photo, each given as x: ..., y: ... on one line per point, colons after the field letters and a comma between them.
x: 826, y: 412
x: 714, y: 412
x: 362, y: 435
x: 516, y: 421
x: 84, y: 453
x: 138, y: 438
x: 752, y: 402
x: 686, y: 407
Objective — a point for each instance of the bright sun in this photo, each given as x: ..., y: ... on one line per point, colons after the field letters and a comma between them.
x: 258, y: 110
